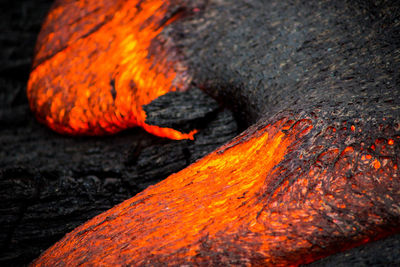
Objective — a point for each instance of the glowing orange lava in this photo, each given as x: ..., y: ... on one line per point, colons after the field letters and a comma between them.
x: 212, y: 190
x: 286, y: 193
x: 251, y: 202
x: 93, y: 71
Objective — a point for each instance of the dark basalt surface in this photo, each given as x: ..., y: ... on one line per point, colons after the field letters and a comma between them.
x: 380, y: 253
x: 49, y: 183
x: 335, y: 63
x: 181, y: 110
x: 262, y: 58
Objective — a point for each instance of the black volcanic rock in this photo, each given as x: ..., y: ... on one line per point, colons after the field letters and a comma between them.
x: 51, y: 183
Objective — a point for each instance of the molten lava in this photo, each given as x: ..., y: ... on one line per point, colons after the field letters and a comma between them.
x: 93, y: 71
x: 245, y: 204
x: 291, y: 189
x: 204, y: 201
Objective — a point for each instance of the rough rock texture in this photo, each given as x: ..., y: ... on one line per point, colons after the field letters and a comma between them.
x: 181, y: 110
x: 50, y: 183
x: 380, y: 253
x: 301, y: 56
x: 335, y: 62
x: 342, y: 55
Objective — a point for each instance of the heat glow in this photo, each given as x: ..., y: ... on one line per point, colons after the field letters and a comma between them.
x: 290, y: 190
x: 248, y: 203
x: 93, y: 71
x: 212, y: 190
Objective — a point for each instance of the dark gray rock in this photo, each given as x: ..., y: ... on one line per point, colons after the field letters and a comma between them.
x: 181, y: 110
x: 338, y: 60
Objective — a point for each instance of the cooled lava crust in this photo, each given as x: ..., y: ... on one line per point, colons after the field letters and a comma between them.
x: 317, y: 84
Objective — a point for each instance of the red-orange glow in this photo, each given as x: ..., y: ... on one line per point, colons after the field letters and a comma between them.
x: 245, y: 199
x: 222, y: 188
x: 93, y: 75
x: 390, y: 142
x: 280, y: 194
x: 348, y: 149
x: 376, y: 164
x: 373, y: 147
x: 353, y: 128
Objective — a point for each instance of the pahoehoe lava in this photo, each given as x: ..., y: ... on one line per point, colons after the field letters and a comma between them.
x: 317, y: 85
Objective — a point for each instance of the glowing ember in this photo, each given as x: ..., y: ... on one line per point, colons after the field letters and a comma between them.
x: 93, y: 75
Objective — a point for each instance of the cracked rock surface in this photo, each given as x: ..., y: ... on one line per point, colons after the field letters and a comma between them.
x: 49, y: 183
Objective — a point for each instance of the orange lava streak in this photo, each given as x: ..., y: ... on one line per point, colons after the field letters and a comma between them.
x: 94, y: 76
x: 243, y: 199
x: 218, y: 194
x: 248, y: 203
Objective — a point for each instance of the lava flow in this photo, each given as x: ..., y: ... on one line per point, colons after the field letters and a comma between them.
x: 93, y: 71
x: 259, y: 200
x: 175, y: 217
x: 294, y: 187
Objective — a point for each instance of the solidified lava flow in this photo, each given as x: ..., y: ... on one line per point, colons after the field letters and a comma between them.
x: 299, y: 184
x: 93, y: 72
